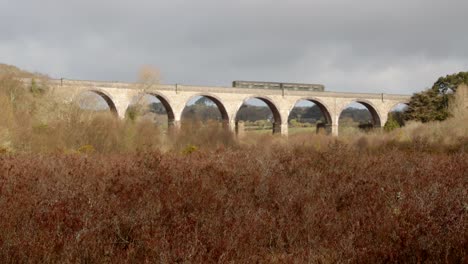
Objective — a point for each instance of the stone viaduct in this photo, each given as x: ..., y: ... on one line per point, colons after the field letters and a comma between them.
x: 119, y: 95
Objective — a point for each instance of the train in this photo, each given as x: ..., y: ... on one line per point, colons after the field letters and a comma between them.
x: 279, y: 85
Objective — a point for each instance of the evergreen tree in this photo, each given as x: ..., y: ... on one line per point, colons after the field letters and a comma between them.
x: 432, y: 104
x: 391, y: 124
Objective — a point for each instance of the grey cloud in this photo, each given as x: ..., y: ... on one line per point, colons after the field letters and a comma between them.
x: 363, y: 46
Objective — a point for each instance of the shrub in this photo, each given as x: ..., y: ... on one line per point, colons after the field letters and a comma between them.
x: 391, y: 124
x: 86, y: 149
x: 189, y: 149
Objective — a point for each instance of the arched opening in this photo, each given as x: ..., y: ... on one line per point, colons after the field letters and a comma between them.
x: 96, y: 102
x: 151, y: 107
x: 395, y: 117
x: 309, y: 115
x: 358, y: 116
x: 258, y: 115
x: 204, y: 110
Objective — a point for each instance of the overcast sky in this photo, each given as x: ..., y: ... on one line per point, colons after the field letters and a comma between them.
x: 398, y: 46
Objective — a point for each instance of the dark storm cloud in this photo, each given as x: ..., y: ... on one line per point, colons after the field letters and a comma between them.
x: 379, y: 46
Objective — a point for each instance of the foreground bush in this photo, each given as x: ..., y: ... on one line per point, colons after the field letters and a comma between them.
x: 296, y: 203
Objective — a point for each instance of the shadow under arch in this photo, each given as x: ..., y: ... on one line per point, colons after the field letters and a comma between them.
x: 376, y: 119
x: 271, y: 105
x: 104, y: 96
x: 217, y: 101
x: 165, y: 103
x: 323, y: 109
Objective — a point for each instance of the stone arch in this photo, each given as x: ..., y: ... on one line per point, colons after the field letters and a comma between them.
x: 165, y: 102
x: 396, y: 113
x: 273, y: 108
x: 395, y: 104
x: 376, y: 116
x: 324, y: 109
x: 216, y: 100
x: 107, y: 98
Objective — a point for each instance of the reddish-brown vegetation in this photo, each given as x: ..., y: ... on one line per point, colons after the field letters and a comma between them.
x: 88, y: 188
x: 282, y: 204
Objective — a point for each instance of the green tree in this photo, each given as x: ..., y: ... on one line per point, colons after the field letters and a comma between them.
x: 449, y: 83
x: 391, y: 124
x: 432, y: 104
